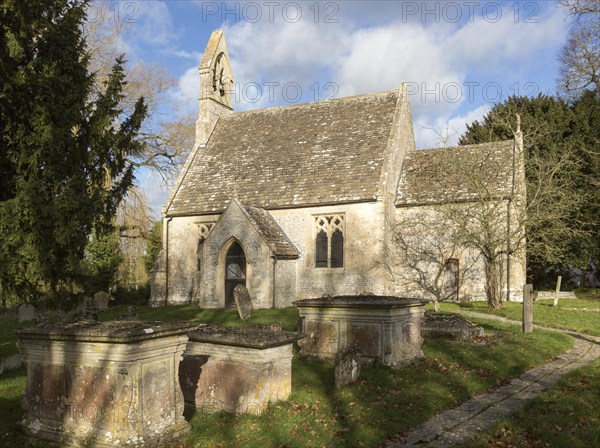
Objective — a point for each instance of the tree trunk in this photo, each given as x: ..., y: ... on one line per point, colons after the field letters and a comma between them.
x: 492, y: 284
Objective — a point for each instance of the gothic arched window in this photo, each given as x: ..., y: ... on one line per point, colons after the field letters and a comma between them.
x: 321, y: 250
x: 337, y: 249
x: 329, y: 241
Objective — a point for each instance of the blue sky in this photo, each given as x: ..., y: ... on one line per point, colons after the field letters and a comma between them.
x: 459, y: 57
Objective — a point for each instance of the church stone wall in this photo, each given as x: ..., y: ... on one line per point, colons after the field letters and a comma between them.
x: 363, y: 271
x: 363, y: 245
x: 366, y: 269
x: 182, y: 250
x: 420, y: 250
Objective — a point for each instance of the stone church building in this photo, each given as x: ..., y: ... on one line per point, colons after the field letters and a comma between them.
x: 309, y: 200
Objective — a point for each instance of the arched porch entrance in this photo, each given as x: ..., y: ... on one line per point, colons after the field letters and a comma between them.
x: 235, y: 272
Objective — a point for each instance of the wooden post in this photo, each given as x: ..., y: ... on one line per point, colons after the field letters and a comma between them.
x: 527, y: 308
x: 557, y: 290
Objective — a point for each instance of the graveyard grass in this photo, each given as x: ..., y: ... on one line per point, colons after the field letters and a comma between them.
x: 566, y: 415
x: 382, y: 403
x: 581, y: 315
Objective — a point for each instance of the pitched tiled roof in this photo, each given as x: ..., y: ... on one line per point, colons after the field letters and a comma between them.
x: 273, y: 235
x: 309, y: 154
x: 461, y: 173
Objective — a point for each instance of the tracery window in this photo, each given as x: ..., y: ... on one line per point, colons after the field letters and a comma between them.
x: 329, y: 241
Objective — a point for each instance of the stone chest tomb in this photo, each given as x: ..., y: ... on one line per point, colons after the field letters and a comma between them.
x: 381, y: 328
x: 104, y: 383
x: 237, y: 370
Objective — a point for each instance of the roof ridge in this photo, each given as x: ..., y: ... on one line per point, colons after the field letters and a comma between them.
x: 249, y: 210
x: 314, y: 103
x: 463, y: 146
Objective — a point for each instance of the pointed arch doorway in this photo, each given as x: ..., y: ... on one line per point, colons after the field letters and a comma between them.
x: 235, y: 272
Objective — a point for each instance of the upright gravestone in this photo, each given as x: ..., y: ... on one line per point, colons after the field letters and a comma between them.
x: 347, y: 367
x: 26, y: 312
x: 101, y: 300
x: 242, y: 301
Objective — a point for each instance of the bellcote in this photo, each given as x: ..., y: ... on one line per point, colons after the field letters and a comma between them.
x: 216, y: 86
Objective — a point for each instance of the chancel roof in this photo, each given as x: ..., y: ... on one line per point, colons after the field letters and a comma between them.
x: 456, y: 174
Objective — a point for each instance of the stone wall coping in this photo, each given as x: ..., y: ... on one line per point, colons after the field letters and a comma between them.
x: 248, y: 337
x: 370, y: 301
x: 107, y: 331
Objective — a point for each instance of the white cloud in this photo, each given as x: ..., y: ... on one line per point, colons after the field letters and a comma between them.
x: 382, y: 58
x: 283, y: 53
x: 151, y: 22
x: 194, y: 55
x: 494, y: 47
x: 395, y: 47
x: 446, y: 130
x: 185, y: 95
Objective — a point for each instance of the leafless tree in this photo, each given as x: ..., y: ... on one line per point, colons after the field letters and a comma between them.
x: 133, y: 223
x: 580, y: 55
x: 425, y: 244
x: 482, y: 203
x: 168, y: 141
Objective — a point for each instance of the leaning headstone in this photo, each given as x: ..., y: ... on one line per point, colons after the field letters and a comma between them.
x: 555, y: 303
x: 26, y: 312
x: 101, y: 300
x: 242, y: 301
x: 347, y: 367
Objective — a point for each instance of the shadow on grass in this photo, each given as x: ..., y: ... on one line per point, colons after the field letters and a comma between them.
x: 384, y: 402
x: 12, y: 386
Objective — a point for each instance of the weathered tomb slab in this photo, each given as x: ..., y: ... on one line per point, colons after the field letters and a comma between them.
x: 451, y: 326
x: 238, y: 370
x: 242, y: 301
x: 104, y: 384
x: 382, y: 328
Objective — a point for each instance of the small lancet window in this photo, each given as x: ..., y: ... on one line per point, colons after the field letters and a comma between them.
x: 321, y: 250
x: 337, y: 249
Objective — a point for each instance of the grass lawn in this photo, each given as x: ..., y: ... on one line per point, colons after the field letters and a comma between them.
x: 383, y: 403
x: 567, y: 415
x: 288, y: 317
x: 8, y: 339
x: 581, y: 315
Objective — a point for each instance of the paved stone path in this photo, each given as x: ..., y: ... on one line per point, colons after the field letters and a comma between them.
x: 481, y: 412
